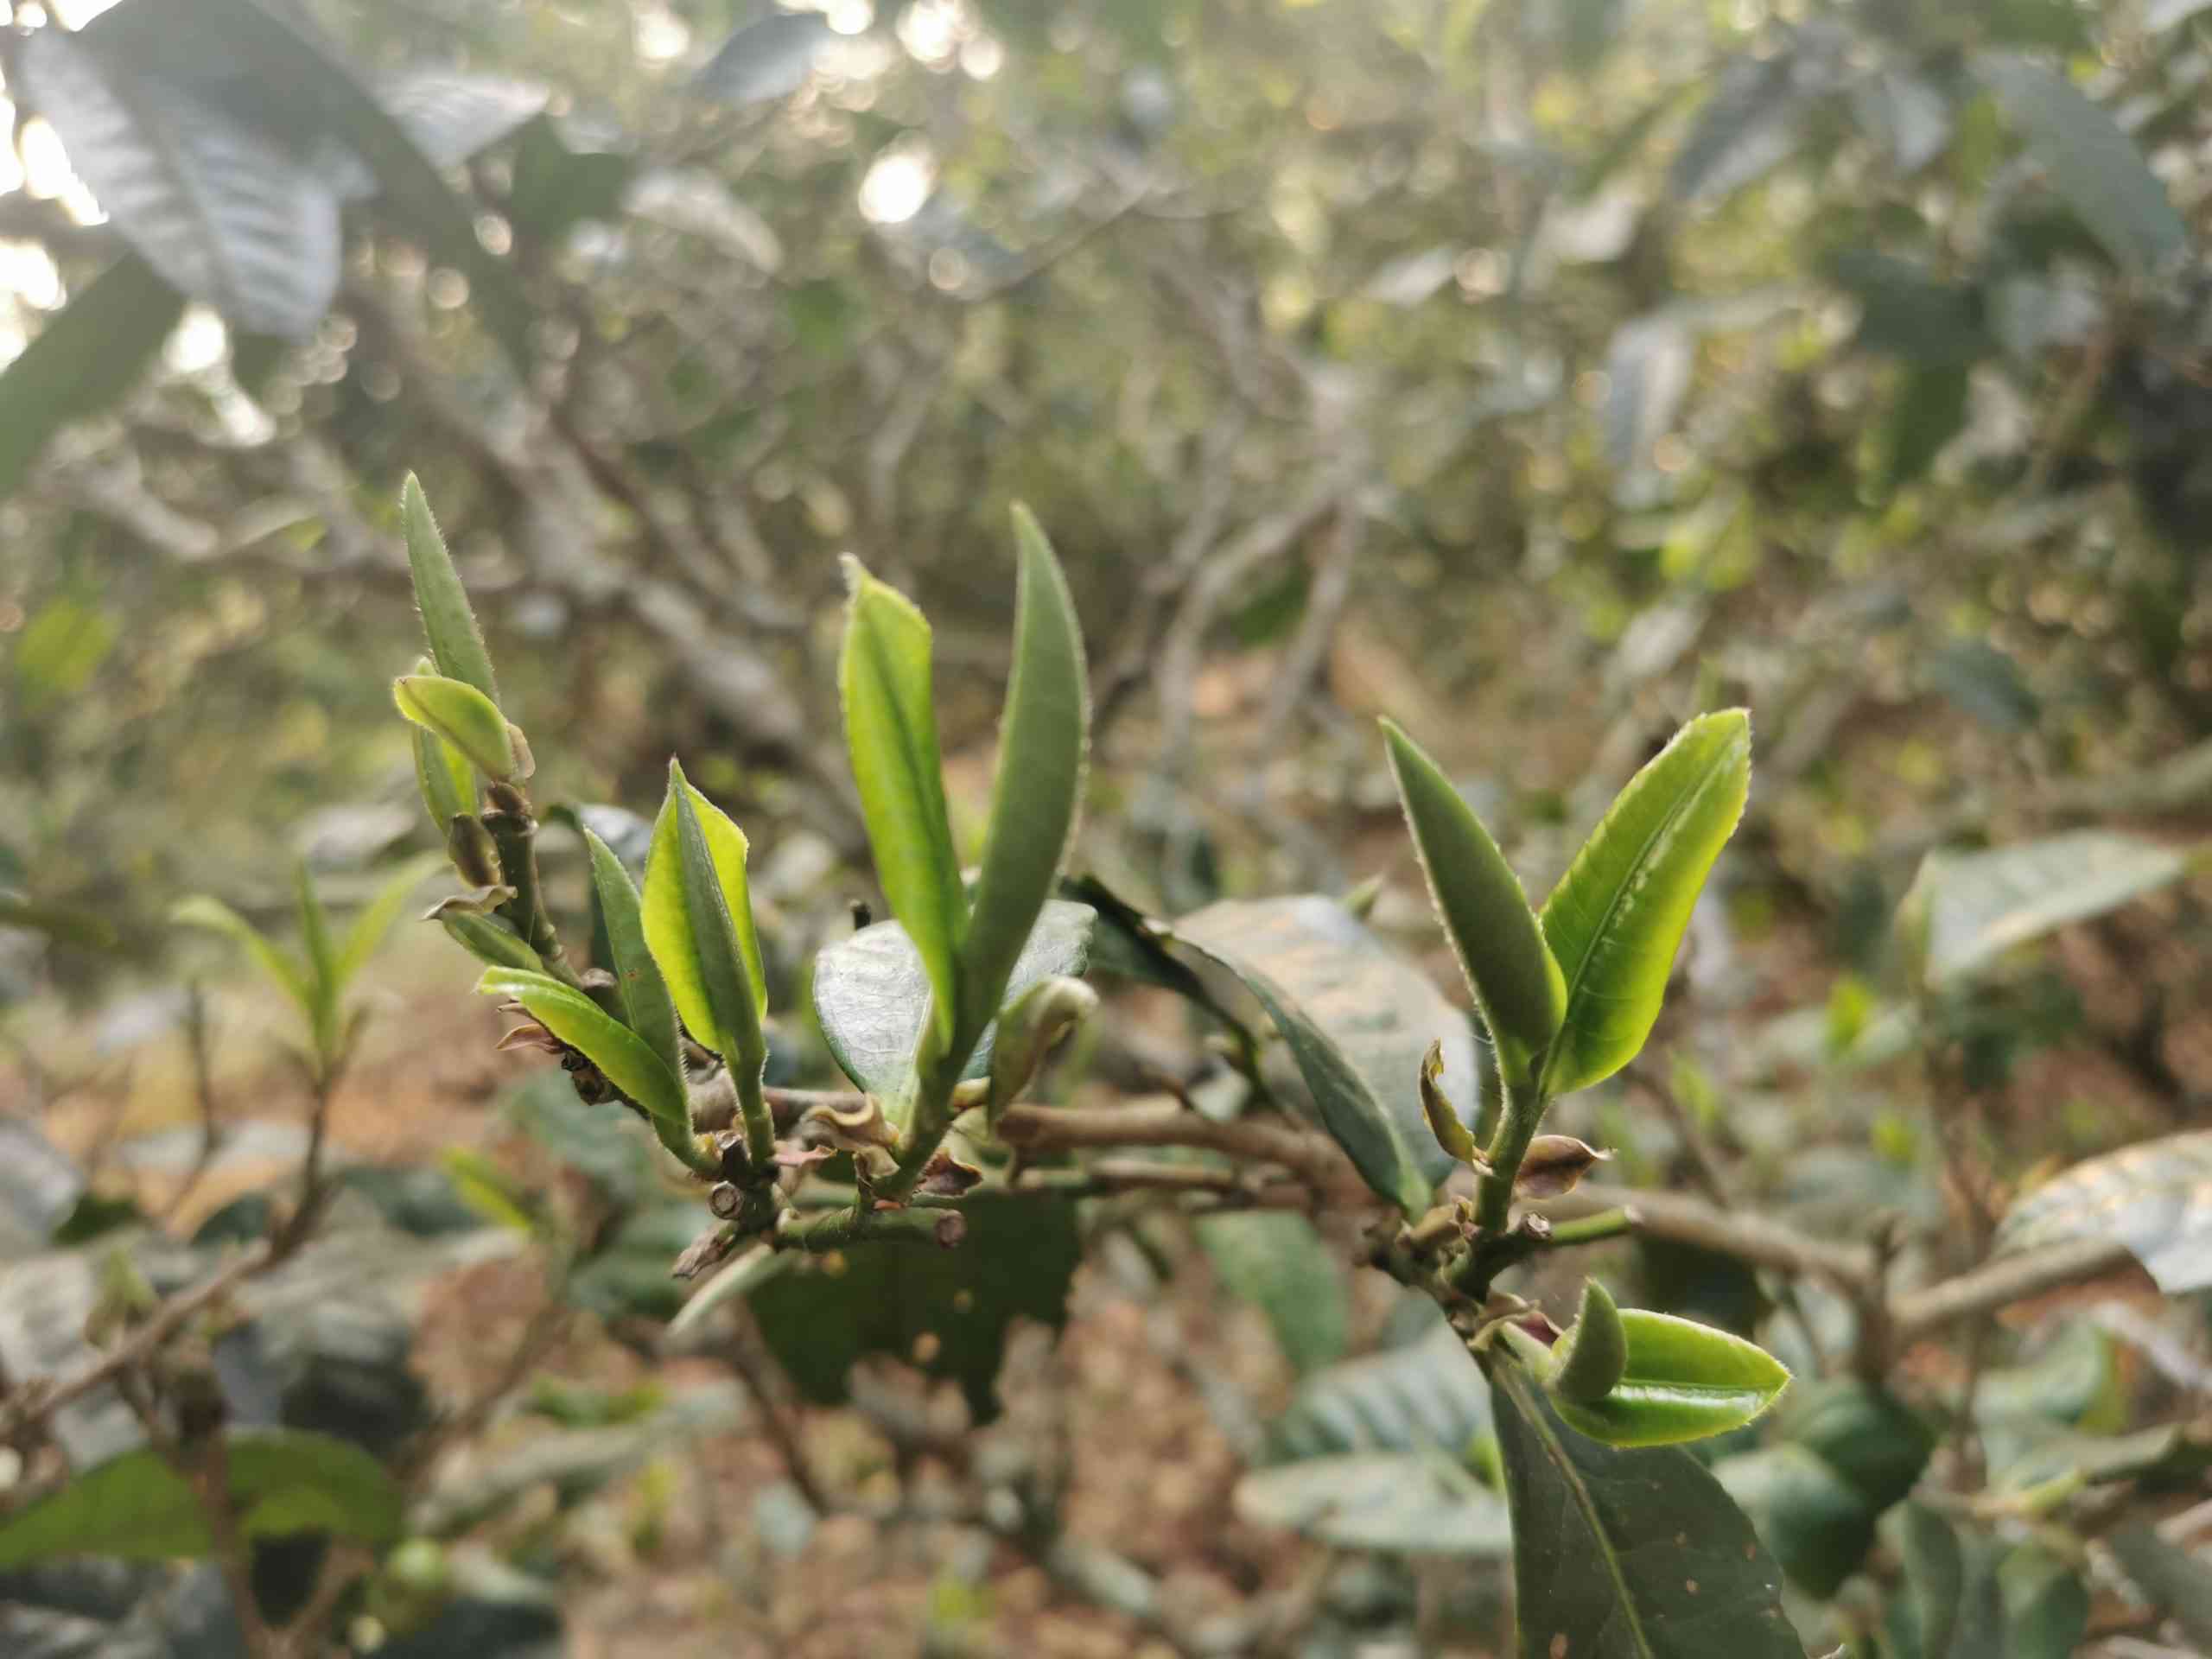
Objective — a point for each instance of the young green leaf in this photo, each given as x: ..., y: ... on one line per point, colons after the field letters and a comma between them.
x: 628, y: 1062
x: 446, y: 780
x: 1627, y: 1555
x: 490, y: 940
x: 456, y: 643
x: 671, y: 909
x: 1617, y: 917
x: 1589, y: 1360
x: 323, y: 961
x: 201, y: 911
x: 461, y: 714
x: 1040, y: 782
x: 645, y: 993
x: 376, y: 917
x: 1679, y: 1381
x: 883, y: 678
x: 1030, y: 1025
x: 1516, y: 984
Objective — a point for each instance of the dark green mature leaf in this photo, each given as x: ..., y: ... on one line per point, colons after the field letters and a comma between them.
x: 1818, y: 1525
x: 1275, y: 1261
x: 1929, y: 409
x: 1628, y: 1554
x: 84, y: 358
x: 646, y: 1001
x: 883, y: 677
x: 1516, y: 985
x: 2089, y: 161
x: 1865, y: 1433
x: 1016, y: 1262
x: 2178, y: 1583
x: 560, y: 181
x: 448, y: 622
x: 462, y: 715
x: 626, y: 1059
x: 2155, y: 1198
x: 1967, y: 909
x: 1907, y: 312
x: 1358, y: 1018
x: 1409, y: 1503
x: 195, y: 177
x: 137, y: 1507
x: 2046, y: 1604
x: 1617, y: 917
x: 1935, y: 1577
x: 1038, y: 788
x: 872, y: 995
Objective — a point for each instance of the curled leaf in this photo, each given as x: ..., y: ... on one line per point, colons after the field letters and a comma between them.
x: 463, y: 716
x: 475, y: 855
x: 1555, y: 1166
x: 1030, y: 1025
x: 1589, y: 1360
x: 1681, y: 1381
x: 1443, y: 1121
x: 623, y: 1056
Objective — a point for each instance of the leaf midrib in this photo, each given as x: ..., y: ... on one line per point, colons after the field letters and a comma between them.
x: 1532, y: 1413
x: 1613, y: 907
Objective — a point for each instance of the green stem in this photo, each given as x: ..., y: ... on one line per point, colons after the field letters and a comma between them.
x: 1592, y: 1230
x: 1516, y: 1126
x: 833, y: 1229
x: 515, y: 834
x: 759, y: 1122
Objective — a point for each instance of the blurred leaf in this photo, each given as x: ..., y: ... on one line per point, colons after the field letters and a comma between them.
x: 484, y: 1187
x: 947, y: 1311
x: 1516, y: 986
x: 628, y: 1277
x: 2154, y: 1196
x: 2175, y: 1582
x: 2089, y: 161
x: 1817, y: 1524
x: 1864, y: 1433
x: 767, y: 59
x: 1968, y: 909
x: 201, y: 911
x: 1037, y: 791
x: 1935, y: 1577
x: 81, y: 928
x: 1647, y: 375
x: 628, y: 1061
x: 1683, y: 1382
x: 1359, y: 1021
x: 59, y: 649
x: 1749, y: 125
x: 697, y: 920
x: 1908, y: 314
x: 1427, y: 1396
x: 1618, y: 916
x: 1910, y: 116
x: 883, y: 677
x: 597, y: 1145
x: 452, y: 118
x: 1987, y: 683
x: 560, y: 181
x: 214, y: 197
x: 83, y: 359
x: 375, y: 918
x: 1413, y: 1504
x: 1275, y: 1259
x: 1929, y: 411
x: 646, y: 1001
x: 2046, y: 1604
x: 137, y: 1507
x: 463, y: 716
x: 872, y: 996
x: 1628, y: 1554
x: 449, y: 623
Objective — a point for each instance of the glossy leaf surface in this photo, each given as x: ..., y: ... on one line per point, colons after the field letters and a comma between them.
x: 1680, y: 1381
x: 698, y: 919
x: 1617, y: 917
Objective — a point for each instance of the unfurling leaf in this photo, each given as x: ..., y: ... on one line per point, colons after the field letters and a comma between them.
x: 1680, y: 1381
x: 464, y: 717
x: 1042, y: 746
x: 1516, y: 984
x: 375, y: 918
x: 322, y: 963
x: 1443, y: 1122
x: 1032, y: 1024
x: 626, y: 1059
x: 1618, y: 916
x: 1589, y: 1360
x: 698, y: 918
x: 280, y: 968
x: 883, y: 678
x: 1554, y: 1166
x: 489, y: 940
x: 646, y: 1001
x: 456, y: 643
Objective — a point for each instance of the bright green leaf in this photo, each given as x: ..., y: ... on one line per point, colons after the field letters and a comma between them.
x: 1680, y: 1381
x: 287, y: 976
x: 883, y: 678
x: 1628, y: 1554
x: 323, y: 983
x: 1516, y: 985
x: 490, y: 940
x: 628, y: 1061
x: 697, y: 916
x: 1040, y: 784
x: 456, y: 643
x: 645, y: 993
x: 462, y: 715
x: 1617, y: 917
x: 485, y: 1188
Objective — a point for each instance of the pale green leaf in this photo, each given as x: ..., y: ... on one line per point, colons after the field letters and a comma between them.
x: 693, y: 904
x: 461, y: 714
x: 646, y: 1000
x: 443, y: 775
x: 1617, y: 917
x: 1516, y: 985
x: 1040, y: 784
x: 883, y: 678
x: 627, y: 1060
x: 456, y: 643
x: 201, y: 911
